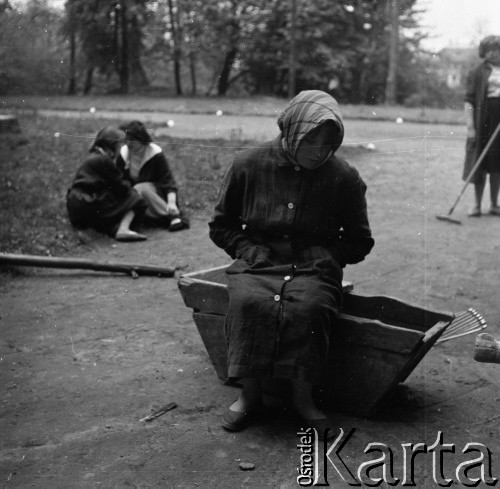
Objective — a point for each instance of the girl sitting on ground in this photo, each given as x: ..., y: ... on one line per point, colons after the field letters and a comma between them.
x: 144, y: 164
x: 99, y: 197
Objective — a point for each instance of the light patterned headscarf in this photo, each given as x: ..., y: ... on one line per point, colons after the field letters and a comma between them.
x: 305, y: 112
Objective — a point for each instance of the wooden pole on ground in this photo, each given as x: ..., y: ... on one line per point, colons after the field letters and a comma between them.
x: 55, y: 262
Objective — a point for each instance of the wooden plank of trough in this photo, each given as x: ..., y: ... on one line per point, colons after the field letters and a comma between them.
x: 428, y: 341
x: 211, y: 329
x: 206, y: 290
x: 393, y: 311
x: 359, y: 377
x: 375, y: 334
x: 204, y: 296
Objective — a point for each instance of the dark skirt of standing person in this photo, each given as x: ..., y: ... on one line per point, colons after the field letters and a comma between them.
x: 473, y: 148
x: 491, y: 162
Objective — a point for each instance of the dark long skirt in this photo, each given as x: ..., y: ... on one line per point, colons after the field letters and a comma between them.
x: 491, y: 162
x: 473, y: 148
x: 280, y: 319
x: 101, y: 212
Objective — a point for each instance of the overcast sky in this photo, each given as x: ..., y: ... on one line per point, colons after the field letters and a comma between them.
x: 460, y: 22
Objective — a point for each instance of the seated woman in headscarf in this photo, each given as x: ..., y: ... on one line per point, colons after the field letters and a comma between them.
x: 293, y: 215
x: 99, y: 197
x: 144, y: 164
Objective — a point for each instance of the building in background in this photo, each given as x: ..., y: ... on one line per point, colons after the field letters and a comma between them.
x: 453, y: 64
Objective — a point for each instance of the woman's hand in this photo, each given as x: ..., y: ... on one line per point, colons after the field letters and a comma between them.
x: 469, y: 119
x: 256, y: 256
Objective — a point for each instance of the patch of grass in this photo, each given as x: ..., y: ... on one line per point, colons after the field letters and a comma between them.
x: 38, y: 168
x: 258, y: 105
x: 33, y: 188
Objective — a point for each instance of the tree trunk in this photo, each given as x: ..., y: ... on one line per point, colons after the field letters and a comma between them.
x: 365, y: 71
x: 223, y: 84
x: 192, y: 70
x: 176, y: 48
x: 72, y: 67
x: 124, y: 58
x: 213, y: 81
x: 293, y: 54
x: 115, y: 58
x: 390, y: 87
x: 177, y: 74
x: 138, y: 75
x: 88, y: 80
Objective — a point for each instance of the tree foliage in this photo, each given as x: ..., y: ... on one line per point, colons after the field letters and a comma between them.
x: 211, y: 47
x: 31, y: 54
x: 109, y: 34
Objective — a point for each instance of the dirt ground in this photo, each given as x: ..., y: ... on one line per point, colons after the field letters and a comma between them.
x: 85, y: 355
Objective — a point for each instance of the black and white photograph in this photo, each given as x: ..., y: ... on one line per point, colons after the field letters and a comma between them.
x: 249, y: 244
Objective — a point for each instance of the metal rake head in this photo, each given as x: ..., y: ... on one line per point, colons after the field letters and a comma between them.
x: 466, y: 322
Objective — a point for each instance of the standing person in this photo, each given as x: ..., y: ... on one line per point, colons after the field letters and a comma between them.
x: 144, y: 164
x: 293, y: 215
x: 482, y: 113
x: 99, y: 197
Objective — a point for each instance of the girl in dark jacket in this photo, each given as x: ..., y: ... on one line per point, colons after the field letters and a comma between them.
x: 145, y: 166
x: 99, y: 197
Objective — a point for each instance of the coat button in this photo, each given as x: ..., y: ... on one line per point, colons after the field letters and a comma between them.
x: 291, y: 205
x: 296, y: 168
x: 277, y: 298
x: 287, y: 278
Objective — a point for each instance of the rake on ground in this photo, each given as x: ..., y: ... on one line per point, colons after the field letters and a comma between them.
x: 447, y: 217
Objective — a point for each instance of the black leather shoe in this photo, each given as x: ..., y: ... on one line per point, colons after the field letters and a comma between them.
x: 176, y: 225
x: 234, y: 421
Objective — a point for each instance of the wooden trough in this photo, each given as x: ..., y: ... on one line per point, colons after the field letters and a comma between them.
x: 377, y: 340
x: 487, y: 349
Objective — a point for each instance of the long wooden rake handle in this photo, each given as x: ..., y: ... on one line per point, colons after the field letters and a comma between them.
x: 475, y: 167
x: 55, y: 262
